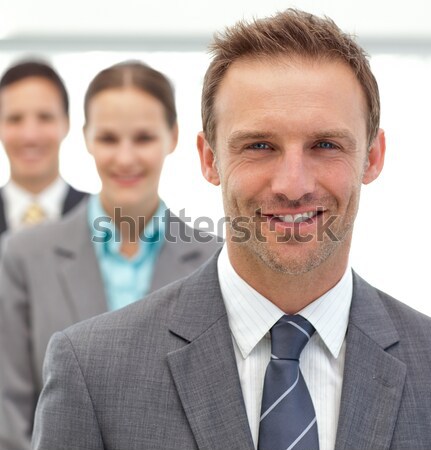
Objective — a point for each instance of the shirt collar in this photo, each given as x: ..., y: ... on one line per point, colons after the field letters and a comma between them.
x: 19, y: 199
x: 58, y: 186
x: 251, y: 315
x: 48, y: 198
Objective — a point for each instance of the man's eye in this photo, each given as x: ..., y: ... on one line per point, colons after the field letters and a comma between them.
x: 326, y: 145
x: 14, y: 119
x: 259, y: 146
x: 143, y: 138
x: 45, y: 117
x: 107, y: 139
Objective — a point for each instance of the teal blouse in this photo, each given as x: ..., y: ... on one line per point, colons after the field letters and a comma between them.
x: 125, y: 279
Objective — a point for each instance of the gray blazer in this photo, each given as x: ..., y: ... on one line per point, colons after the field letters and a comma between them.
x: 161, y: 374
x: 49, y: 280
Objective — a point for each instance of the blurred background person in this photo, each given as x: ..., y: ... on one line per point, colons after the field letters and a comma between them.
x: 80, y: 42
x: 34, y: 120
x: 103, y: 255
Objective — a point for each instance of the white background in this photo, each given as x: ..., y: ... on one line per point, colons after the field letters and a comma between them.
x: 392, y: 245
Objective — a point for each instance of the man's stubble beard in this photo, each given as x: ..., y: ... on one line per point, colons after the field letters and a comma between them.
x: 292, y: 265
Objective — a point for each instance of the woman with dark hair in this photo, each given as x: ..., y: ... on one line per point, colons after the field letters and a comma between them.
x: 111, y: 251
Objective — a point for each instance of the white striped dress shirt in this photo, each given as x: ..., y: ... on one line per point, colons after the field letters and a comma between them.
x: 251, y: 316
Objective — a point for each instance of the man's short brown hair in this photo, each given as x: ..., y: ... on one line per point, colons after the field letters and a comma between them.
x: 293, y: 33
x: 31, y: 68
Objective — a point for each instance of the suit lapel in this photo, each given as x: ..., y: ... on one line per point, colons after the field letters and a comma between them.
x: 3, y: 226
x: 73, y: 197
x: 170, y: 265
x: 204, y: 369
x: 373, y: 379
x: 176, y: 254
x: 78, y: 268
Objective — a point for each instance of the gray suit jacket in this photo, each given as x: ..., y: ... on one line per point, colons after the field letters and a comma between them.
x: 50, y: 279
x: 161, y: 374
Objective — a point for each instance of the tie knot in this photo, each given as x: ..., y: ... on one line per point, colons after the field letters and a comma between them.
x: 33, y: 215
x: 289, y: 336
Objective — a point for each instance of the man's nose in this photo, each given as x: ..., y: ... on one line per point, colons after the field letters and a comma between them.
x: 293, y: 176
x: 30, y: 130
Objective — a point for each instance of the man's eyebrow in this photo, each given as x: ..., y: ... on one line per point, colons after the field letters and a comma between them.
x: 239, y: 136
x: 335, y: 134
x: 243, y: 135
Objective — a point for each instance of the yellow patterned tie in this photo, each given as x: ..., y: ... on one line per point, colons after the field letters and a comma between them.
x: 33, y: 215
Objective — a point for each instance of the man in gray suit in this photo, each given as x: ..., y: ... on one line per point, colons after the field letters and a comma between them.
x: 34, y: 120
x: 274, y: 343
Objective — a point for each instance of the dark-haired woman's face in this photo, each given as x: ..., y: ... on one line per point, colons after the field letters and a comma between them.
x: 129, y: 138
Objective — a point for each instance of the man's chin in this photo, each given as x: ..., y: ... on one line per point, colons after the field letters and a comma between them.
x: 293, y: 258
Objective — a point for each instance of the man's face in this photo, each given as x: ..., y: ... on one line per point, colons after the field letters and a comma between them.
x: 32, y: 125
x: 291, y: 154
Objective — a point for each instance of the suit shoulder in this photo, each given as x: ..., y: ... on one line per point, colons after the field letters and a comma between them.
x: 409, y: 322
x: 150, y: 315
x: 37, y: 238
x: 401, y: 309
x: 24, y: 241
x: 191, y: 239
x: 141, y: 316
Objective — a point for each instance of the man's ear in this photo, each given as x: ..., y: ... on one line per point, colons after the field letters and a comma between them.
x: 66, y: 127
x: 375, y: 158
x: 208, y: 161
x: 86, y: 139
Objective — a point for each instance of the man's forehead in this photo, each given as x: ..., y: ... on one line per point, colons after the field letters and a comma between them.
x: 260, y: 86
x: 247, y: 65
x: 260, y: 74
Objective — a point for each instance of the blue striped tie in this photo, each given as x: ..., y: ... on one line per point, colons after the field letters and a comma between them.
x: 288, y: 419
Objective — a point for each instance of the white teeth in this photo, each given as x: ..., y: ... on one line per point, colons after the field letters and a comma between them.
x: 302, y: 217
